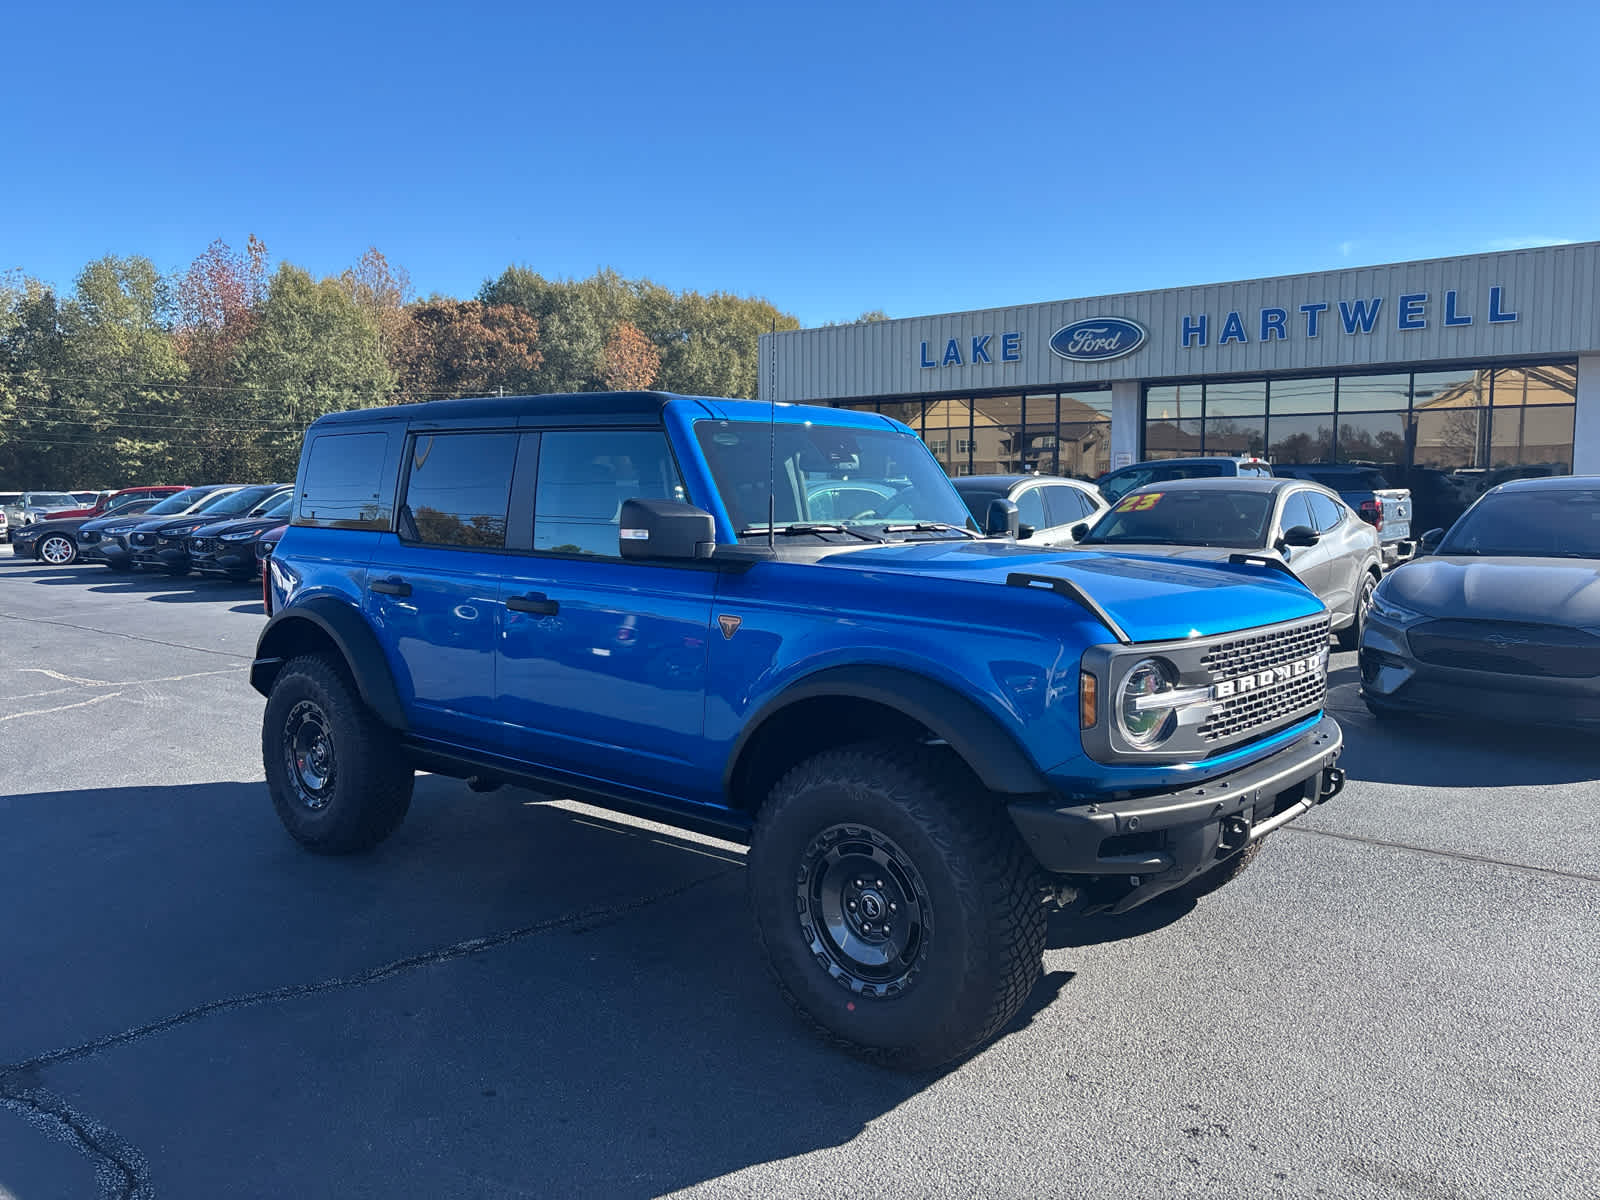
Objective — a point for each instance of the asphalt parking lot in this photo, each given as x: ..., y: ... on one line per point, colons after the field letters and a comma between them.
x: 513, y: 997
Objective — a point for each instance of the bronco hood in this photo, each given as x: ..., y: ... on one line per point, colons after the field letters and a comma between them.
x: 1153, y: 597
x: 1551, y: 591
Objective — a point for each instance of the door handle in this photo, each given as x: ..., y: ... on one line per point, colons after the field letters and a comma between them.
x: 392, y: 586
x: 534, y: 602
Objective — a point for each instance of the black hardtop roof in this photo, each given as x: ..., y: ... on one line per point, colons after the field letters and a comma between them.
x: 499, y: 408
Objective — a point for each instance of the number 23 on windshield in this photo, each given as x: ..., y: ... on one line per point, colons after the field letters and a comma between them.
x: 1140, y: 503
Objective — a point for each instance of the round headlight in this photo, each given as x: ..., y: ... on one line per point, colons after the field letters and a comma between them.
x: 1145, y: 718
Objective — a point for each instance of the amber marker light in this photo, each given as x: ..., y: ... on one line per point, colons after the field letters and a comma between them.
x: 1088, y: 696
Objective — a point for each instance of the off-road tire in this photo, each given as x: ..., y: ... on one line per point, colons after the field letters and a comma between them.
x: 981, y: 953
x: 370, y: 789
x: 1220, y: 875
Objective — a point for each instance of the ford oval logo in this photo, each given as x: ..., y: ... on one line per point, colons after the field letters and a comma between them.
x: 1098, y: 338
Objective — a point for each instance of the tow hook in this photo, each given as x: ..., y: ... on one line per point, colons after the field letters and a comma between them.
x: 1332, y: 784
x: 1234, y: 835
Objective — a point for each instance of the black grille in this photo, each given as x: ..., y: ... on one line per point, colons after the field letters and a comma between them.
x: 1507, y: 648
x: 1273, y: 703
x: 201, y: 545
x: 88, y: 535
x: 143, y: 539
x: 1262, y: 651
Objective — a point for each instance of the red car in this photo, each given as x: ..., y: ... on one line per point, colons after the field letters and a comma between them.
x: 109, y: 502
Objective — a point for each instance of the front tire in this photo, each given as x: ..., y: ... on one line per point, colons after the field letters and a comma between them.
x: 1350, y: 636
x: 57, y: 549
x: 897, y: 908
x: 336, y: 774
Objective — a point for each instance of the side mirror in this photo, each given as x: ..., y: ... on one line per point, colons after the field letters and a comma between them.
x: 1430, y: 541
x: 665, y: 529
x: 1002, y: 520
x: 1025, y: 532
x: 1079, y: 531
x: 1300, y: 535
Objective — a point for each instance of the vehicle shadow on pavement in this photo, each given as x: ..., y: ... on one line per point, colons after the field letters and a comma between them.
x: 1067, y: 929
x: 1462, y: 753
x: 505, y: 998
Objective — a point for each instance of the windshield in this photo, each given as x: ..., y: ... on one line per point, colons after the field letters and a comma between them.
x: 236, y: 504
x: 1238, y: 520
x: 52, y: 500
x: 273, y: 505
x: 178, y: 503
x: 875, y: 480
x: 1542, y: 524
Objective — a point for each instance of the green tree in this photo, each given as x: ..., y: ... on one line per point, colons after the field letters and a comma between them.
x: 311, y: 351
x: 119, y: 397
x: 33, y: 454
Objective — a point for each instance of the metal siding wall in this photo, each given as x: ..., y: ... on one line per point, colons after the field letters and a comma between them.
x: 1553, y: 290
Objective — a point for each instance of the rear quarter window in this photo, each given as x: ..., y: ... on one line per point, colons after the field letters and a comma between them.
x: 346, y: 482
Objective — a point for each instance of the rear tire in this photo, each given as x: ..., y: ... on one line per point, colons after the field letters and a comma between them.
x: 336, y: 774
x: 895, y: 905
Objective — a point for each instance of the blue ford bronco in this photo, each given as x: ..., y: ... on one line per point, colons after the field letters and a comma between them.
x: 782, y: 626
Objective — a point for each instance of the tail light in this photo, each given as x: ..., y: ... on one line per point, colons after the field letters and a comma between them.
x: 1372, y: 513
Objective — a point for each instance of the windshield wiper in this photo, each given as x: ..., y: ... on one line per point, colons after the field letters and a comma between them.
x: 797, y: 528
x: 928, y: 527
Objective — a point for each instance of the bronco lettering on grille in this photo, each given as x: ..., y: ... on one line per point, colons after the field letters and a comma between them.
x: 1271, y: 677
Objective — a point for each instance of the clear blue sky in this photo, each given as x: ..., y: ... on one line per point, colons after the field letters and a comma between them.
x: 833, y: 158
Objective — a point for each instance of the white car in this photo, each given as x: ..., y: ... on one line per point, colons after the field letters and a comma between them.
x: 1048, y: 506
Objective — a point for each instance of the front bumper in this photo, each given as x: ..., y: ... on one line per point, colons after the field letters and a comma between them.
x: 1393, y: 678
x: 169, y: 557
x: 234, y: 561
x: 1127, y: 852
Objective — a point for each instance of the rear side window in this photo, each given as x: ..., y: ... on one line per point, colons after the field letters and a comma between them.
x: 458, y: 487
x: 585, y: 475
x: 1067, y: 504
x: 342, y: 481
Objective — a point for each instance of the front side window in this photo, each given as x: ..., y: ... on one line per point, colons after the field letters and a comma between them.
x: 1296, y: 511
x: 1030, y: 508
x: 1324, y: 511
x: 790, y: 466
x: 457, y: 490
x: 585, y: 475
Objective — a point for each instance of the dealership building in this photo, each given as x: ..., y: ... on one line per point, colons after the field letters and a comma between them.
x: 1449, y: 374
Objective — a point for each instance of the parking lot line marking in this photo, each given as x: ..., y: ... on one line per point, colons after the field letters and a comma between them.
x: 40, y: 712
x: 123, y: 682
x: 1462, y: 855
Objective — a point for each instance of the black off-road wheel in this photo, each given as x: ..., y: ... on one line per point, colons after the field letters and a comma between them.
x: 1220, y: 875
x: 897, y: 908
x: 336, y: 774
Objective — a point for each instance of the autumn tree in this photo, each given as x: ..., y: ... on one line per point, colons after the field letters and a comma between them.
x: 632, y: 359
x: 218, y: 300
x: 453, y: 348
x: 381, y: 290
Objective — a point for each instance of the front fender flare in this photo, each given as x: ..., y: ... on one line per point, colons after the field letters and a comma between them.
x: 340, y: 623
x: 974, y: 734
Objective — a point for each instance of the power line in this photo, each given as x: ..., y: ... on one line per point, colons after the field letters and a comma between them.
x: 175, y: 386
